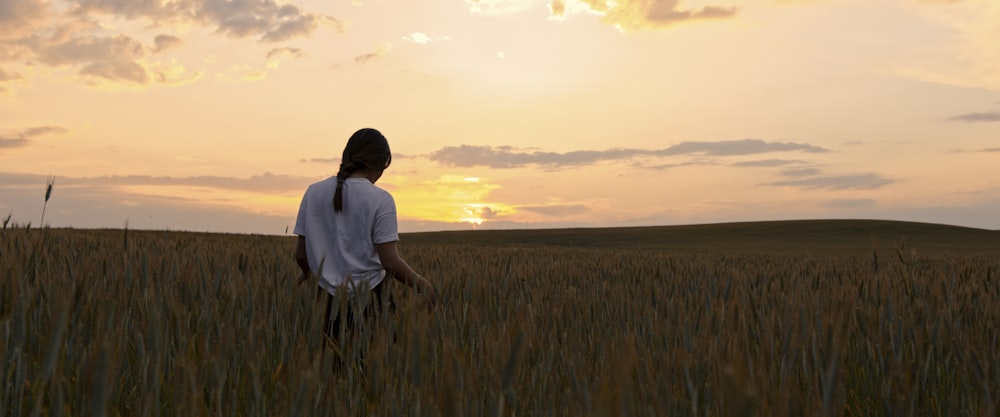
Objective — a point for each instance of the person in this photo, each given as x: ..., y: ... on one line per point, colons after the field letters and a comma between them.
x: 347, y: 235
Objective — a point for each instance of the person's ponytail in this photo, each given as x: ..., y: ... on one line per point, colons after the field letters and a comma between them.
x: 346, y: 169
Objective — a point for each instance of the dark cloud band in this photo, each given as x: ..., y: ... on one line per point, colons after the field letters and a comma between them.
x: 509, y: 157
x: 838, y: 182
x: 977, y: 117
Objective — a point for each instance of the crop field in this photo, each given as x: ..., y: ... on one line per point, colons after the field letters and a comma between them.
x: 780, y: 319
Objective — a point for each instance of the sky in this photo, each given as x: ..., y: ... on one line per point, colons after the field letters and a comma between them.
x: 215, y: 115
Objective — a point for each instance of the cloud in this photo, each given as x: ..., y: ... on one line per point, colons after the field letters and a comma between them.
x: 977, y: 117
x: 661, y: 167
x: 421, y: 38
x: 267, y: 20
x: 172, y: 73
x: 556, y: 210
x: 481, y: 212
x: 117, y: 71
x: 767, y: 163
x: 381, y: 51
x: 635, y: 15
x: 990, y: 150
x: 11, y: 142
x: 741, y: 147
x: 72, y: 34
x: 112, y: 58
x: 800, y: 172
x: 6, y: 76
x: 838, y: 182
x: 498, y: 7
x: 276, y: 53
x: 509, y: 157
x: 323, y: 160
x: 86, y: 49
x: 164, y: 42
x: 18, y: 15
x: 418, y: 38
x: 23, y: 137
x: 557, y: 8
x: 43, y: 130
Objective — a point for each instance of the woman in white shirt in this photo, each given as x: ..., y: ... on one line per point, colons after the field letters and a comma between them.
x: 347, y: 236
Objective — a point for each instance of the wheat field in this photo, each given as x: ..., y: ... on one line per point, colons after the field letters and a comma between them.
x: 145, y: 323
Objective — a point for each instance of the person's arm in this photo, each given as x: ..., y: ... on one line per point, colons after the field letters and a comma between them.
x: 402, y: 272
x: 302, y: 259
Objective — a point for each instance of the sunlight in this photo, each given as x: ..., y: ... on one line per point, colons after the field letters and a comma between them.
x: 475, y: 221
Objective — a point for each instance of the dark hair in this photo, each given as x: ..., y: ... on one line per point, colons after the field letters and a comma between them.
x: 366, y: 149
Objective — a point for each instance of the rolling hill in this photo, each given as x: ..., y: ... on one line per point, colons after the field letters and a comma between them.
x: 839, y: 236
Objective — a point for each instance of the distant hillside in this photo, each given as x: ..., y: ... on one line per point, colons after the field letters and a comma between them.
x: 793, y: 235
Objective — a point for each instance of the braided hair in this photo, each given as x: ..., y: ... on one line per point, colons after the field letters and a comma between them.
x: 366, y: 149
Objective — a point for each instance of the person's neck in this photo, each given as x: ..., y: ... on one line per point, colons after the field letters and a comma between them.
x: 366, y: 174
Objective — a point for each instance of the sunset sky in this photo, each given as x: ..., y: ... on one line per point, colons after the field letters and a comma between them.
x: 215, y: 115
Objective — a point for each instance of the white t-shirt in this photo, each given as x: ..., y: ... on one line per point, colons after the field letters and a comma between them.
x: 341, y: 246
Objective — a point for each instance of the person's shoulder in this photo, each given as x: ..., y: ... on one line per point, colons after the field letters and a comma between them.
x: 326, y: 182
x: 320, y: 187
x: 382, y: 192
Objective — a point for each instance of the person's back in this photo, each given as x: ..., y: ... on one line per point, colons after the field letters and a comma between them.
x: 348, y: 232
x: 341, y: 246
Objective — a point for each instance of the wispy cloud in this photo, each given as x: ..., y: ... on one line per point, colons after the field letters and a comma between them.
x: 626, y: 15
x: 990, y: 150
x: 32, y: 132
x: 275, y: 53
x: 801, y: 172
x: 662, y: 167
x: 634, y: 15
x: 838, y: 182
x: 12, y: 142
x: 8, y: 76
x: 977, y: 117
x: 164, y: 42
x: 23, y: 137
x: 510, y: 157
x: 324, y: 160
x: 741, y: 147
x: 371, y: 56
x: 498, y: 7
x: 767, y: 163
x: 421, y: 38
x: 556, y: 210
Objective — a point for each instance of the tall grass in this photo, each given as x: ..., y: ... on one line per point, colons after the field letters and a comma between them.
x: 215, y: 325
x: 48, y: 194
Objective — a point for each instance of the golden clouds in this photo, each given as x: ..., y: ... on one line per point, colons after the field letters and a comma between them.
x: 635, y: 15
x: 102, y: 43
x: 449, y: 198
